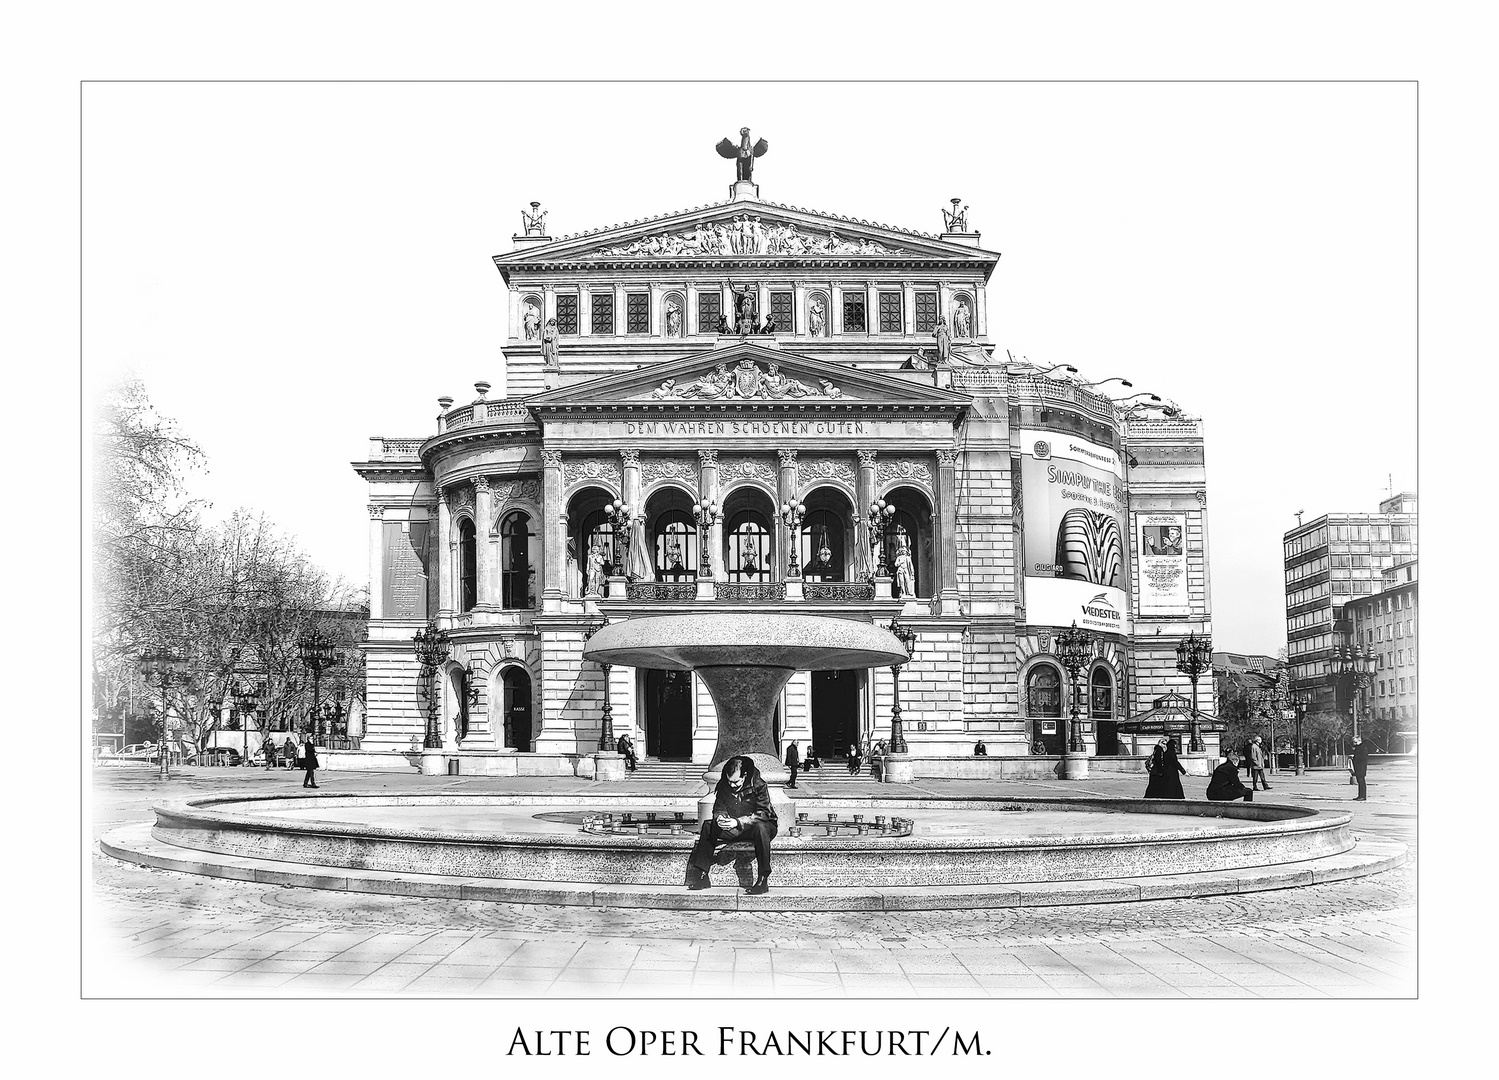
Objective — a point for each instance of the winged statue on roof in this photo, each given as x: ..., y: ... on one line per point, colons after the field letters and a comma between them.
x: 744, y: 154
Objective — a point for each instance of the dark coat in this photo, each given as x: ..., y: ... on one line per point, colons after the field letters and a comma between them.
x: 1225, y: 785
x: 793, y: 756
x: 1361, y: 758
x: 753, y: 800
x: 309, y: 756
x: 1165, y: 776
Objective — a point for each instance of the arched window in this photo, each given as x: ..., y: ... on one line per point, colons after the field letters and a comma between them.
x: 749, y: 547
x: 676, y: 547
x: 822, y: 548
x: 910, y: 527
x: 1043, y: 692
x: 1101, y: 694
x: 517, y: 574
x: 468, y: 579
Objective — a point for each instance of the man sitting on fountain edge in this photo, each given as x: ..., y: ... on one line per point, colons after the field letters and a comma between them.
x: 741, y: 811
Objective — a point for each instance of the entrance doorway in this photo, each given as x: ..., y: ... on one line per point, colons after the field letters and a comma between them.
x: 668, y: 715
x: 835, y: 712
x: 517, y: 707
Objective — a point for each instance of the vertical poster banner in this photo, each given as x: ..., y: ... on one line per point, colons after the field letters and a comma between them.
x: 1162, y: 559
x: 405, y: 584
x: 1072, y: 492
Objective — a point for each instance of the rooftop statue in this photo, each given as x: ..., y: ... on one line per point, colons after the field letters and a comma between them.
x: 744, y: 154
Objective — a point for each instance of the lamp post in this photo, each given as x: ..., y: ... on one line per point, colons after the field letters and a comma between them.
x: 621, y: 514
x: 247, y: 700
x: 791, y: 516
x: 706, y: 513
x: 606, y: 720
x: 432, y: 647
x: 317, y: 653
x: 907, y: 638
x: 1357, y: 666
x: 1074, y: 648
x: 165, y: 666
x: 1300, y: 699
x: 880, y: 513
x: 1194, y: 655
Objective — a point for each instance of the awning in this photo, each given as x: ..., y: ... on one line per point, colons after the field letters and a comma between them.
x: 1171, y: 715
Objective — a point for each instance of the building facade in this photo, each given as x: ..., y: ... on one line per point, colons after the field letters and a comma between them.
x: 670, y: 387
x: 1386, y: 624
x: 1330, y: 562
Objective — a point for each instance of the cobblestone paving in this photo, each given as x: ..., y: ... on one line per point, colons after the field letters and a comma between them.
x: 180, y: 933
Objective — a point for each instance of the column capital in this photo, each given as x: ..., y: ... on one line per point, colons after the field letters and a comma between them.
x: 481, y: 485
x: 1202, y: 498
x: 631, y: 458
x: 445, y: 498
x: 551, y: 459
x: 947, y: 458
x: 377, y: 512
x: 788, y: 458
x: 866, y: 458
x: 708, y: 457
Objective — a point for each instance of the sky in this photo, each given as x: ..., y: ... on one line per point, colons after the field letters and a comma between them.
x: 292, y: 268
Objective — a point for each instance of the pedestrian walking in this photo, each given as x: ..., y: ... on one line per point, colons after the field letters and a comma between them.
x: 793, y: 761
x: 1225, y: 785
x: 268, y: 748
x: 309, y: 762
x: 290, y: 750
x: 1257, y: 766
x: 1165, y: 772
x: 1359, y: 763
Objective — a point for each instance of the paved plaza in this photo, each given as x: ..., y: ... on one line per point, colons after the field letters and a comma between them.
x: 156, y: 931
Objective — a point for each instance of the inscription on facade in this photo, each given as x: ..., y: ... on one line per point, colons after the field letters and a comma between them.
x: 405, y: 585
x: 698, y: 428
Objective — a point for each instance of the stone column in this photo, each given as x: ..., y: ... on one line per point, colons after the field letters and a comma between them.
x: 585, y: 311
x: 786, y: 491
x: 689, y: 317
x: 762, y: 302
x: 548, y: 303
x: 444, y: 553
x: 835, y: 317
x: 799, y: 320
x: 630, y: 487
x: 908, y: 308
x: 707, y: 488
x: 483, y: 564
x: 871, y: 308
x: 377, y: 562
x: 981, y: 315
x: 944, y: 303
x: 947, y: 529
x: 726, y: 305
x: 619, y: 311
x: 553, y: 529
x: 866, y: 489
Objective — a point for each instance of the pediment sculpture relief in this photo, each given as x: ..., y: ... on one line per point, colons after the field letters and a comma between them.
x: 745, y: 235
x: 747, y: 382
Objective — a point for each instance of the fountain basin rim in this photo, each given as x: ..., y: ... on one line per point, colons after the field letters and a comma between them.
x: 745, y: 639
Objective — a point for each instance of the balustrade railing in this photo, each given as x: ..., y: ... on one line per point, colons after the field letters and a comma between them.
x: 838, y: 591
x: 661, y: 591
x: 732, y: 590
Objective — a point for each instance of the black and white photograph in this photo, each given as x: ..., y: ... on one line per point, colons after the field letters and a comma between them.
x: 691, y: 569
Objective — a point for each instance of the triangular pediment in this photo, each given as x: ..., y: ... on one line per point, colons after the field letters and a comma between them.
x: 746, y: 229
x: 748, y: 374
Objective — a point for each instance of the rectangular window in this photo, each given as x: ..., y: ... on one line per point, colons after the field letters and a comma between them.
x: 637, y: 313
x: 1402, y: 686
x: 853, y: 313
x: 926, y: 312
x: 891, y: 318
x: 603, y: 313
x: 709, y: 308
x: 782, y: 305
x: 567, y: 313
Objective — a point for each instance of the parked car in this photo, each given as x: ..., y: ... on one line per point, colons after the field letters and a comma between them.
x: 140, y: 752
x: 216, y: 755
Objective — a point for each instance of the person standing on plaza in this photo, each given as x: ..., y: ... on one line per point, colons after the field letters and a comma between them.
x: 268, y: 748
x: 1257, y: 765
x: 793, y: 762
x: 309, y: 762
x: 1359, y: 762
x: 741, y: 811
x: 290, y: 750
x: 1225, y: 785
x: 1165, y: 772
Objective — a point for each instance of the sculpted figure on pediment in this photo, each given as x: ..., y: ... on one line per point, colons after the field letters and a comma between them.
x: 746, y: 382
x: 744, y: 235
x: 776, y: 385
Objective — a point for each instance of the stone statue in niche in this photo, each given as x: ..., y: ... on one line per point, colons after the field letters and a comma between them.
x: 549, y: 360
x: 596, y: 561
x: 531, y: 321
x: 944, y: 343
x: 961, y: 320
x: 744, y: 311
x: 905, y: 567
x: 673, y: 319
x: 817, y: 318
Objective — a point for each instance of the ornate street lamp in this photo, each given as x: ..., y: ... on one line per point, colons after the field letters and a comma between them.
x: 606, y: 721
x: 621, y: 515
x: 880, y: 513
x: 165, y: 665
x: 1357, y: 666
x: 317, y: 653
x: 791, y: 516
x: 706, y: 512
x: 247, y: 698
x: 432, y: 648
x: 907, y: 638
x: 1194, y: 655
x: 1300, y: 699
x: 1074, y: 648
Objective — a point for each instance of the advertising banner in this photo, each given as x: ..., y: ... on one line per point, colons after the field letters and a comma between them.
x: 1162, y: 559
x: 1072, y: 492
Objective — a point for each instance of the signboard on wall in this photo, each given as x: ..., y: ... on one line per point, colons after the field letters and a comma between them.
x: 1072, y: 494
x: 404, y: 589
x: 1161, y: 556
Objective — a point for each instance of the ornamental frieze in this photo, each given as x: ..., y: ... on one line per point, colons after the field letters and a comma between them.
x: 575, y: 470
x: 745, y: 235
x: 653, y: 470
x: 746, y: 468
x: 889, y: 470
x: 746, y: 382
x: 518, y: 490
x: 824, y: 468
